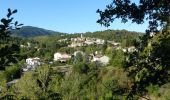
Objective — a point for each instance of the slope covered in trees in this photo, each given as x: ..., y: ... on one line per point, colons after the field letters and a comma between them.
x: 125, y: 37
x: 122, y: 36
x: 30, y: 31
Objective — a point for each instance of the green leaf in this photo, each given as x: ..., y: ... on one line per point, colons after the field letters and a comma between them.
x: 9, y: 13
x: 2, y: 27
x: 16, y: 23
x: 20, y: 24
x: 9, y: 10
x: 15, y: 11
x: 10, y: 20
x: 3, y: 20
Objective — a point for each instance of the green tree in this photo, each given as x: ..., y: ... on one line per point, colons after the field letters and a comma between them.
x: 27, y: 83
x: 155, y: 11
x: 3, y: 88
x: 117, y: 59
x: 150, y: 63
x: 104, y: 47
x: 43, y: 77
x: 9, y: 53
x: 78, y: 57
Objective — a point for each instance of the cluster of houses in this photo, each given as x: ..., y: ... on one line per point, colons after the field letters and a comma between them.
x: 84, y: 41
x: 32, y: 63
x: 63, y: 57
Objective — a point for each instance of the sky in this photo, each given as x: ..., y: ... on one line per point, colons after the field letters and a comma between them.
x: 68, y: 16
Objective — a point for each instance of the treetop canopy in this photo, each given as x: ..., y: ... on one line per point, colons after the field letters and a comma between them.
x: 157, y: 12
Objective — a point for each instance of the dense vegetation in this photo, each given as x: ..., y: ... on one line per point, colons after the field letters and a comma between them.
x: 141, y: 74
x: 125, y: 37
x: 148, y: 66
x: 83, y: 79
x: 30, y: 31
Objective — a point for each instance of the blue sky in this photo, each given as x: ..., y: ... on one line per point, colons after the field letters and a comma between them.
x: 68, y: 16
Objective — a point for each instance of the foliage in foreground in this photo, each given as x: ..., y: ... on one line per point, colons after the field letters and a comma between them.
x: 149, y: 65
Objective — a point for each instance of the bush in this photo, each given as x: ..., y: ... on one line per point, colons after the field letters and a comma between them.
x: 81, y: 67
x: 12, y: 72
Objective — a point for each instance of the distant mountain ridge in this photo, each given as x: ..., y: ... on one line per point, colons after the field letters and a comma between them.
x: 31, y: 31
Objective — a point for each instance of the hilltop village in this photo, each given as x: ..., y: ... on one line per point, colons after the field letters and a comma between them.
x: 66, y: 66
x: 95, y: 64
x: 71, y: 66
x: 79, y: 42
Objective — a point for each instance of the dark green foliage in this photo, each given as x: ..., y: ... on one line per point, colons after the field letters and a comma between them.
x: 149, y: 65
x: 12, y: 72
x: 8, y: 97
x: 9, y: 53
x: 104, y: 47
x: 54, y: 96
x: 78, y: 57
x: 30, y: 31
x: 122, y: 36
x: 80, y: 63
x: 7, y: 25
x: 154, y: 11
x: 81, y: 67
x: 117, y: 58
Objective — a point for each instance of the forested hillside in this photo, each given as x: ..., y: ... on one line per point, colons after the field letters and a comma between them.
x: 117, y: 35
x: 126, y: 38
x: 123, y: 36
x: 30, y: 31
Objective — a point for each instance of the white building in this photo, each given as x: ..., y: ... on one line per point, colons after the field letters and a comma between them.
x: 129, y: 49
x: 103, y: 59
x: 57, y: 56
x: 75, y: 44
x: 23, y: 46
x: 124, y: 50
x: 115, y: 45
x: 32, y: 63
x: 100, y: 41
x: 61, y: 57
x: 89, y: 42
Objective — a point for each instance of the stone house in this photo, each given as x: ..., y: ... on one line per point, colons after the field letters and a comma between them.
x: 32, y: 63
x: 62, y: 57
